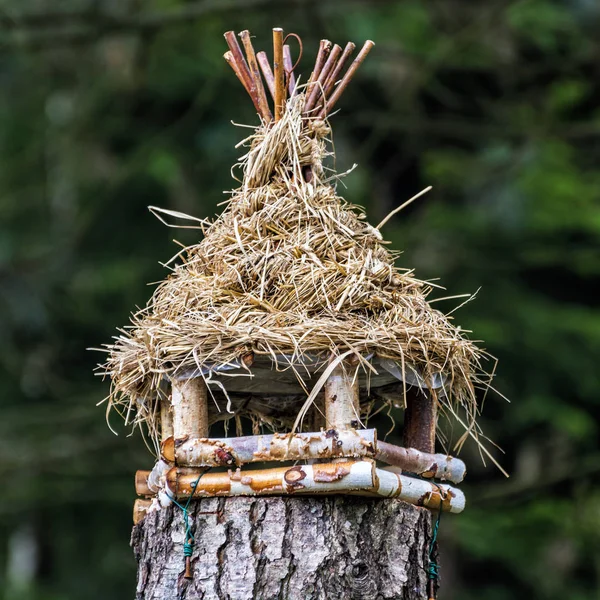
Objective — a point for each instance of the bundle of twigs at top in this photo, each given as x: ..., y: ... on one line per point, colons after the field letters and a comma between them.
x: 323, y: 89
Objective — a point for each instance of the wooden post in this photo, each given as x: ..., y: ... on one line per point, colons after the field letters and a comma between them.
x: 420, y: 419
x: 263, y: 548
x: 190, y: 409
x: 342, y: 408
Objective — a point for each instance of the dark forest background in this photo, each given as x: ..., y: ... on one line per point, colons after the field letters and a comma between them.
x: 109, y: 106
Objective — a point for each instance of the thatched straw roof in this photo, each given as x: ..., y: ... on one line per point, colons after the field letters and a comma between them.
x: 286, y: 277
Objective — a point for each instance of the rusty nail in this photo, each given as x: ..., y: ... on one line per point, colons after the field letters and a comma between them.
x: 188, y: 568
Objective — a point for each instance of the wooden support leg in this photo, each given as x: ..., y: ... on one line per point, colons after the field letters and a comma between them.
x: 342, y: 408
x: 190, y: 409
x: 420, y: 420
x: 189, y: 399
x: 318, y: 413
x: 166, y: 420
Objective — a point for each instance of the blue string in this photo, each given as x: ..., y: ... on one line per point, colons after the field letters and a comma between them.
x: 434, y: 569
x: 188, y: 544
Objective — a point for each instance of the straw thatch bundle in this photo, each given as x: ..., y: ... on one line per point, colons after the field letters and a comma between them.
x: 289, y: 270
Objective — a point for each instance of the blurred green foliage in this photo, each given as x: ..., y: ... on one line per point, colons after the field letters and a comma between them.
x: 111, y: 107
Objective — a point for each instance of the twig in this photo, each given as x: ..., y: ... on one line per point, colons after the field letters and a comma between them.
x: 278, y: 71
x: 289, y: 69
x: 323, y: 75
x: 397, y: 210
x: 242, y: 67
x: 228, y: 56
x: 333, y: 77
x: 324, y: 49
x: 265, y: 67
x: 255, y: 73
x: 329, y: 104
x: 322, y: 54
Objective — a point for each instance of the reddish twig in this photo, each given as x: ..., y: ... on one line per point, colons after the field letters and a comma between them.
x: 241, y: 68
x: 323, y: 75
x: 231, y: 62
x: 324, y: 48
x: 265, y: 111
x: 333, y: 77
x: 330, y: 103
x: 278, y: 71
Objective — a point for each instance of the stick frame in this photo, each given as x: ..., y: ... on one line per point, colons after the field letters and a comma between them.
x: 360, y: 478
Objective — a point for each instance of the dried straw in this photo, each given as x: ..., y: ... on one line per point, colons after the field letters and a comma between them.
x: 289, y: 268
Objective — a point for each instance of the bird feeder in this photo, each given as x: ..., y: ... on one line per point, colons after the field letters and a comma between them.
x: 291, y: 312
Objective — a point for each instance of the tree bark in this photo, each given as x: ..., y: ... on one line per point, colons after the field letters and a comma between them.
x: 286, y: 548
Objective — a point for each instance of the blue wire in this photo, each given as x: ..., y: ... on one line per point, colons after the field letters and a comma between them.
x: 188, y: 544
x: 434, y: 569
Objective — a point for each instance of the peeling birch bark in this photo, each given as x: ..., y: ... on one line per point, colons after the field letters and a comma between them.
x: 359, y: 478
x: 342, y: 408
x: 166, y: 421
x: 229, y: 452
x: 286, y: 549
x: 190, y: 409
x: 273, y: 447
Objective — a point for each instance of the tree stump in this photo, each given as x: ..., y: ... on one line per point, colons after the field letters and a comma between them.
x: 286, y: 548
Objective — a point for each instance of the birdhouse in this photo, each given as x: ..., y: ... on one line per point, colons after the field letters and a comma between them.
x: 292, y: 312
